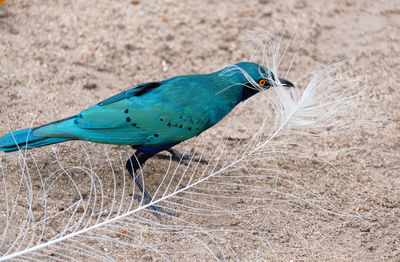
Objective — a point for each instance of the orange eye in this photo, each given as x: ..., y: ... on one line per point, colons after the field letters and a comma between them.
x: 262, y: 82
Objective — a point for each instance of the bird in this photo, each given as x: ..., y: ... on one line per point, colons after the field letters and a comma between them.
x: 154, y: 116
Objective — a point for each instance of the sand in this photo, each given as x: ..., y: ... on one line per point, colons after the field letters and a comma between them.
x: 58, y: 57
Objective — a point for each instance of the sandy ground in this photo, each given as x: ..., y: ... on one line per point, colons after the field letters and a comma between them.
x: 59, y: 57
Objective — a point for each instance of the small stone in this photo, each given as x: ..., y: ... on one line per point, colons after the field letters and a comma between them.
x: 14, y: 31
x: 164, y: 65
x: 3, y: 10
x: 170, y: 37
x: 130, y: 47
x: 90, y: 86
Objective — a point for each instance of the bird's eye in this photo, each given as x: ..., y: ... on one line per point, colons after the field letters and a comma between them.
x: 262, y: 82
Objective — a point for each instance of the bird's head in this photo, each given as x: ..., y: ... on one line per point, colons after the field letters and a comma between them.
x: 253, y: 77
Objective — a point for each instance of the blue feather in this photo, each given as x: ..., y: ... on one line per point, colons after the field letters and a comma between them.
x: 24, y: 139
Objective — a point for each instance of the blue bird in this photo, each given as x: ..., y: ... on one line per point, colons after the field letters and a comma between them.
x: 154, y: 116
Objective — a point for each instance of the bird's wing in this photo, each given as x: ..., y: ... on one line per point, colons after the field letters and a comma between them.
x: 107, y: 114
x: 151, y: 114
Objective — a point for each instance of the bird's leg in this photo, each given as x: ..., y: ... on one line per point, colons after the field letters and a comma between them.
x: 134, y: 163
x: 181, y: 158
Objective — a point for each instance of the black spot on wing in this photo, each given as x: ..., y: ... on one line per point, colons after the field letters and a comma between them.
x: 145, y: 88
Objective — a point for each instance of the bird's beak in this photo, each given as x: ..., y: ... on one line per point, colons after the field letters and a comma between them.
x: 285, y: 82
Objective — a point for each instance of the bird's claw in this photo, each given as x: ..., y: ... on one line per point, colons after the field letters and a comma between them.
x: 183, y: 159
x: 155, y: 209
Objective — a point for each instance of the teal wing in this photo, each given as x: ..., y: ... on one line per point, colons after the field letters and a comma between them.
x: 151, y: 114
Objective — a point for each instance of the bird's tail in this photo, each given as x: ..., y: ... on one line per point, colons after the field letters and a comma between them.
x: 24, y: 139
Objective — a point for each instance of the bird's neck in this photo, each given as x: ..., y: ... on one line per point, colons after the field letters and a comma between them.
x: 248, y: 92
x: 234, y: 86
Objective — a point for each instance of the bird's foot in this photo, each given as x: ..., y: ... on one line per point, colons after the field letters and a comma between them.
x: 155, y: 209
x: 134, y: 163
x: 181, y: 158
